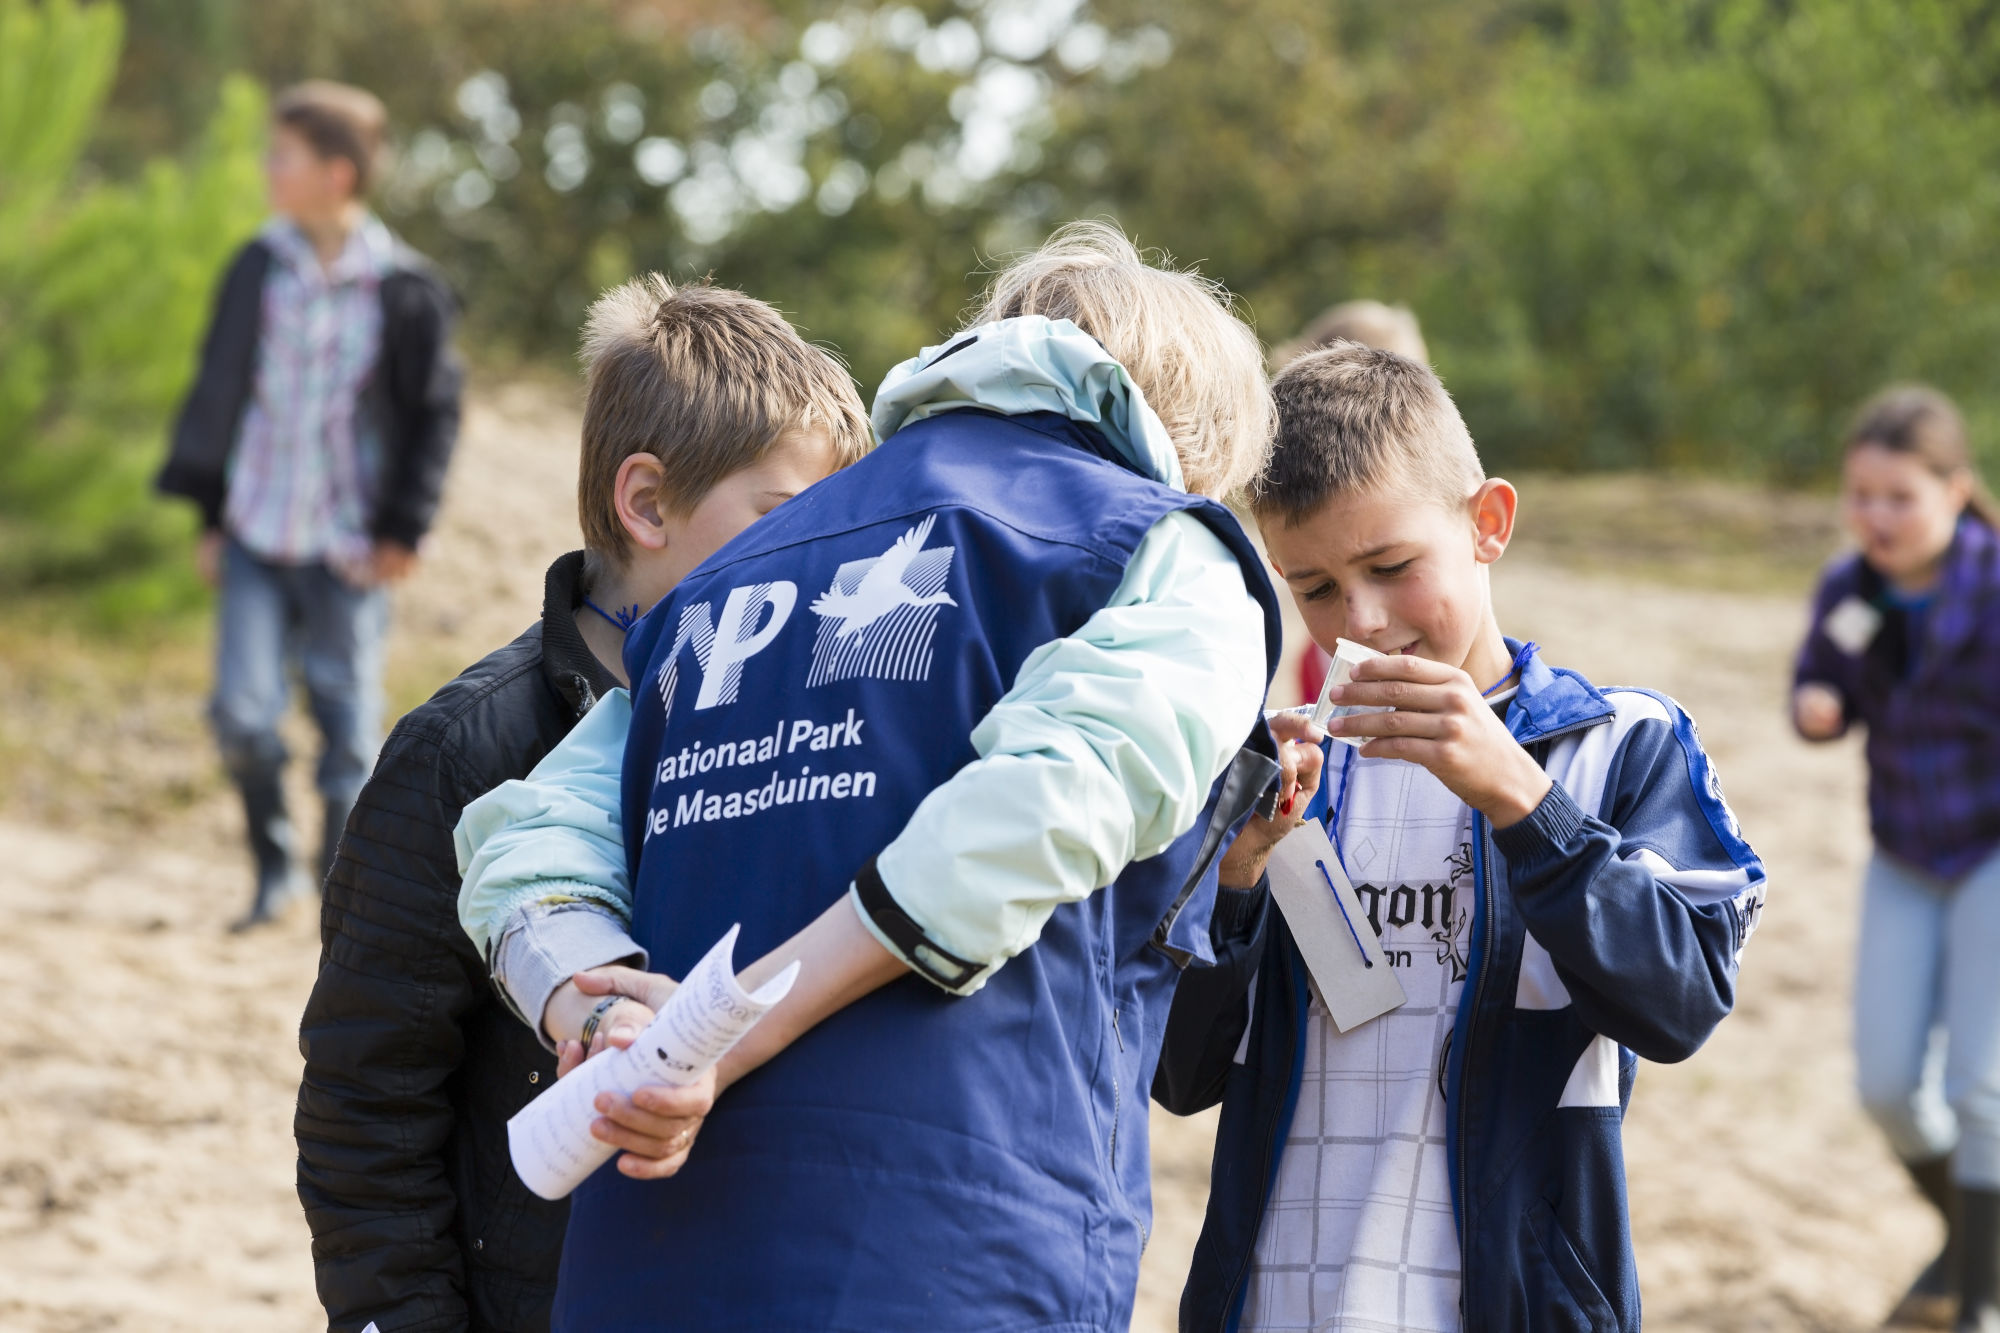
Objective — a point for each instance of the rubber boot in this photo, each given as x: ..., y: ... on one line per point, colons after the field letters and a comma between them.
x: 1978, y: 1261
x: 1932, y: 1300
x: 270, y: 848
x: 333, y: 822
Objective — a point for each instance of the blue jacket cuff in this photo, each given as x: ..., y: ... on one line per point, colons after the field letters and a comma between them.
x: 1544, y: 834
x: 1238, y: 911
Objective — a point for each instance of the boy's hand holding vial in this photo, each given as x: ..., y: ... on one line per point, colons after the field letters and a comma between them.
x: 1441, y: 722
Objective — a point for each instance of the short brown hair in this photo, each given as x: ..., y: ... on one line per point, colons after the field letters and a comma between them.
x: 706, y: 380
x: 338, y: 120
x: 1198, y: 366
x: 1393, y: 328
x: 1353, y: 418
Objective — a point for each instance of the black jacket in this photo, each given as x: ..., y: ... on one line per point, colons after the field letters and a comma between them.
x: 411, y: 398
x: 413, y: 1065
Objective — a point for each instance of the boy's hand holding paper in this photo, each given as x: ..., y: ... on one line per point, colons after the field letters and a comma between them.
x: 656, y: 1125
x: 552, y: 1140
x: 1437, y: 719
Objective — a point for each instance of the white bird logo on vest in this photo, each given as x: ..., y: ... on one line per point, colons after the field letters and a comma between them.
x: 882, y: 589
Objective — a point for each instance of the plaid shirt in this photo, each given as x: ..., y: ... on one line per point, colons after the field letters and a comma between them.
x: 303, y: 476
x: 1932, y: 707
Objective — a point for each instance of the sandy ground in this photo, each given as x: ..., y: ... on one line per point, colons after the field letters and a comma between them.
x: 145, y: 1112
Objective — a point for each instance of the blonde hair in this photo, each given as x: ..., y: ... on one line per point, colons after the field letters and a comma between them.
x: 1393, y: 328
x: 1354, y: 418
x: 704, y: 379
x: 1197, y: 364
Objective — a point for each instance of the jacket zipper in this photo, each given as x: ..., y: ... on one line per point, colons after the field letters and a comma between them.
x: 1117, y: 1118
x: 1480, y: 872
x: 1231, y: 1311
x: 1117, y: 1092
x: 1481, y: 836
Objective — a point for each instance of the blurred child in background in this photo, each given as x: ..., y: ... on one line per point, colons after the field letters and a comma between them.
x: 315, y: 442
x: 704, y: 411
x: 1372, y: 324
x: 1393, y: 328
x: 1905, y: 640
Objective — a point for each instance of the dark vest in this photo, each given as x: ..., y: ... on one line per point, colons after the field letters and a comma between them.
x: 919, y: 1161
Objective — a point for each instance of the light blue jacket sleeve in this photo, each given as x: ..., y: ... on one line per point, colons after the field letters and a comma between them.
x: 552, y: 839
x: 1101, y: 754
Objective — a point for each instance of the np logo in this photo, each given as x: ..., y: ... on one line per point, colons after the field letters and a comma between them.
x: 878, y: 618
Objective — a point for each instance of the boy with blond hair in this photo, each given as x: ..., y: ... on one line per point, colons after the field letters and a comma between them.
x: 704, y: 411
x: 314, y: 442
x: 1551, y: 868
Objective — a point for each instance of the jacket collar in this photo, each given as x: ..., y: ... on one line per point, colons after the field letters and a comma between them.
x: 1031, y: 364
x: 569, y: 666
x: 370, y: 253
x: 1552, y: 699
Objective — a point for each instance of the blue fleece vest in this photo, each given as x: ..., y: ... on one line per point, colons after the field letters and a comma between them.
x: 919, y: 1161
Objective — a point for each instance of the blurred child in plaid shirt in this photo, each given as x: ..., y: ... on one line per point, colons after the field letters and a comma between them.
x: 315, y: 442
x: 1905, y: 640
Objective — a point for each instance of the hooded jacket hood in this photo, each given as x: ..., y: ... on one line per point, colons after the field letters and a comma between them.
x: 1031, y: 364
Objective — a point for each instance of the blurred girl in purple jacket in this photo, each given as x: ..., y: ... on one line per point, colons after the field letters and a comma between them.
x: 1905, y: 640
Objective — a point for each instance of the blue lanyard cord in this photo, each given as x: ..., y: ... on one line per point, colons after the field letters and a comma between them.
x: 1340, y: 803
x: 627, y: 616
x: 1513, y: 669
x: 1341, y: 903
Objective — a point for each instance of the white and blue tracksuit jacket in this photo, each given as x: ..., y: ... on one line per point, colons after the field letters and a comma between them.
x: 1608, y: 926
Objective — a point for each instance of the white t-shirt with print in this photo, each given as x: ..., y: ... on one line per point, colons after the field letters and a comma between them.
x: 1358, y: 1233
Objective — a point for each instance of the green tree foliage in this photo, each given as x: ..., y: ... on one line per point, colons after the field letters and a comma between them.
x: 547, y: 150
x: 1673, y: 233
x: 1305, y: 152
x: 104, y: 289
x: 1709, y: 229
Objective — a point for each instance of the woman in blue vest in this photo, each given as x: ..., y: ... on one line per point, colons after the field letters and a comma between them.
x: 959, y: 729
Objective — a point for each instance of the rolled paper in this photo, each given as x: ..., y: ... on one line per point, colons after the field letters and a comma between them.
x: 550, y: 1140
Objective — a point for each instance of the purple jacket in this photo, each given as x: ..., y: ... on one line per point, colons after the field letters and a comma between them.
x: 1932, y: 707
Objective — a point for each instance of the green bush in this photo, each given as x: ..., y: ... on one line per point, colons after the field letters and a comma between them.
x: 1709, y: 230
x: 104, y: 293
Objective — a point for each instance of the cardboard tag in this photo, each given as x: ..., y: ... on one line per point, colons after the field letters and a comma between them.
x: 1343, y: 955
x: 1852, y: 625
